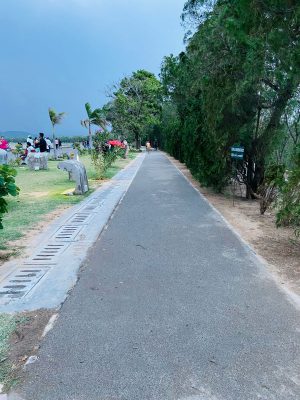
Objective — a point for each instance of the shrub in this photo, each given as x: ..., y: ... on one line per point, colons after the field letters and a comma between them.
x: 289, y: 203
x: 102, y: 157
x: 80, y: 150
x: 7, y: 187
x: 16, y: 162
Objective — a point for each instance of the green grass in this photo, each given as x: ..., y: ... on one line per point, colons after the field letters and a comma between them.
x: 41, y: 192
x: 7, y: 327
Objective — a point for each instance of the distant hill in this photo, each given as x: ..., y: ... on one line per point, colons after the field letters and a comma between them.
x: 15, y: 134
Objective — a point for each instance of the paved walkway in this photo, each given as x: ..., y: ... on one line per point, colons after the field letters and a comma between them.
x: 170, y: 306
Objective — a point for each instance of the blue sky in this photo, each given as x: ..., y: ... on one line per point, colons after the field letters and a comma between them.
x: 62, y: 53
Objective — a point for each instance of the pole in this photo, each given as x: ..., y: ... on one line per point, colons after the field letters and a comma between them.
x: 90, y: 136
x: 53, y: 141
x: 234, y: 181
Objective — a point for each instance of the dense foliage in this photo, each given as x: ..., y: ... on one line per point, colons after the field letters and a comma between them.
x: 289, y: 201
x: 135, y: 106
x: 7, y: 187
x: 236, y: 83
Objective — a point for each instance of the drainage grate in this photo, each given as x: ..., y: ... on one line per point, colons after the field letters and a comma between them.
x: 79, y: 219
x: 66, y: 233
x: 20, y: 282
x: 47, y: 254
x: 96, y: 203
x: 93, y: 207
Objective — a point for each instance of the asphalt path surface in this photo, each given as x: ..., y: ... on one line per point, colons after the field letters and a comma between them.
x: 170, y: 305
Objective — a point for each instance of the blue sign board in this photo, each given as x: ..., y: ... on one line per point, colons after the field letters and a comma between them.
x: 237, y: 152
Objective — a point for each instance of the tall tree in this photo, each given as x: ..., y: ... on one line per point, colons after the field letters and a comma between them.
x: 135, y: 105
x: 55, y: 118
x: 94, y: 117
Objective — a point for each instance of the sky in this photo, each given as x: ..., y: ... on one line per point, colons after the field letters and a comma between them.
x: 64, y: 53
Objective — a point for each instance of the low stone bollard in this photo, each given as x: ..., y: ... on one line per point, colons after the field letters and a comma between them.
x: 77, y: 173
x: 37, y: 161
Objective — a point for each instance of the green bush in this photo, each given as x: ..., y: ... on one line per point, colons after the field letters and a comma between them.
x: 7, y: 187
x: 101, y: 157
x: 80, y: 150
x: 289, y: 201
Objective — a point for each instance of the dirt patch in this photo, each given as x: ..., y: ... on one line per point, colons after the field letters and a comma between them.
x: 25, y: 341
x: 37, y: 195
x: 278, y: 246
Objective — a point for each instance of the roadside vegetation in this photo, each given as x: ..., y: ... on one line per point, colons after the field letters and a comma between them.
x: 8, y: 324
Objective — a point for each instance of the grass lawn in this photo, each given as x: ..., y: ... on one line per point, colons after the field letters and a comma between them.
x: 41, y: 192
x: 8, y: 324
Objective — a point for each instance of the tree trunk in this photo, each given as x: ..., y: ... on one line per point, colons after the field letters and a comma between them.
x: 249, y: 177
x: 90, y: 137
x: 284, y: 95
x: 261, y: 145
x: 53, y: 141
x: 137, y: 141
x: 259, y: 174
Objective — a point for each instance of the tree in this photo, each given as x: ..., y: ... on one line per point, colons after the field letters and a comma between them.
x: 135, y: 105
x: 55, y: 118
x: 94, y: 117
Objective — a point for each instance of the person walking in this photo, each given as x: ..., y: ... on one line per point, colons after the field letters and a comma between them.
x: 148, y: 146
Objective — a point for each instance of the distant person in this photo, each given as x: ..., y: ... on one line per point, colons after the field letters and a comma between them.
x: 148, y: 146
x: 106, y: 147
x: 155, y: 144
x: 30, y: 140
x: 42, y: 144
x: 29, y: 149
x: 56, y: 143
x: 36, y: 143
x: 49, y: 144
x: 59, y: 143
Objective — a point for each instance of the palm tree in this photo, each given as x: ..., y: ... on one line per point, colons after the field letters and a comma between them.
x: 94, y: 117
x: 55, y: 119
